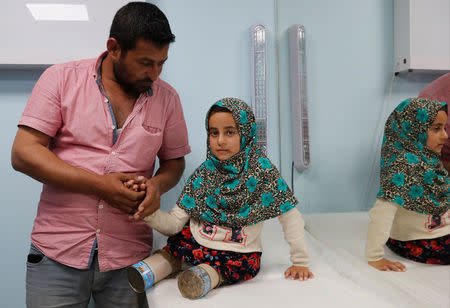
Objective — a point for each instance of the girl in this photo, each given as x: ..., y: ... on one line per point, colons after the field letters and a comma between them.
x: 411, y: 214
x: 226, y: 200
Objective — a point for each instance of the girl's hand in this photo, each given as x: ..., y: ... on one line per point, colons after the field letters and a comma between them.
x: 298, y: 272
x: 137, y: 184
x: 387, y: 265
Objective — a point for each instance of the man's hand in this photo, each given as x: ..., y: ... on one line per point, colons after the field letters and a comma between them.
x: 387, y: 265
x: 137, y: 184
x: 165, y: 178
x: 152, y: 200
x: 116, y: 194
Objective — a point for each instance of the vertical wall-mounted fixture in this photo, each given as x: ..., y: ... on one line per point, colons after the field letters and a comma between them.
x: 259, y: 83
x: 300, y: 127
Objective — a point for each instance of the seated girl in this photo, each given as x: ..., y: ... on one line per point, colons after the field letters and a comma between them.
x: 217, y: 221
x: 411, y: 215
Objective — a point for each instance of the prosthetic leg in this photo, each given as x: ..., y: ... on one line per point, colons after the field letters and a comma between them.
x: 149, y: 271
x: 197, y: 281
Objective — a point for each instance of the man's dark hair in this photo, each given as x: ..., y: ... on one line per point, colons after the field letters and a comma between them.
x: 140, y: 20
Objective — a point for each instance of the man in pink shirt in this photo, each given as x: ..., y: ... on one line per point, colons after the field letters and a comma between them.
x: 88, y: 127
x: 439, y: 90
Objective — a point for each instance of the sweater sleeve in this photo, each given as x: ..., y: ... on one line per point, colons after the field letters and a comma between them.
x: 381, y: 216
x: 293, y: 228
x: 168, y: 223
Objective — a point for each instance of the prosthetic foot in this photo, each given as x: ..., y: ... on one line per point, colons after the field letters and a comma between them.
x: 197, y: 281
x: 149, y: 271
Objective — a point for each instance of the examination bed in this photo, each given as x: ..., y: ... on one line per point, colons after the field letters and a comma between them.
x: 342, y: 276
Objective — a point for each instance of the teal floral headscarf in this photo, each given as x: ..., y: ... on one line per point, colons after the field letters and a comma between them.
x: 412, y: 175
x: 242, y: 190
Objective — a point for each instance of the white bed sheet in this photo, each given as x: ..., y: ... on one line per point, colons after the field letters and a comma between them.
x: 424, y: 285
x: 336, y: 284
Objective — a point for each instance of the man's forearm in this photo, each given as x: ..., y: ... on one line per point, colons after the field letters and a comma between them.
x: 168, y: 174
x: 31, y: 156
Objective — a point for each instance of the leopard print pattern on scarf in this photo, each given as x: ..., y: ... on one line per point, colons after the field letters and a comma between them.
x: 412, y: 175
x: 242, y: 190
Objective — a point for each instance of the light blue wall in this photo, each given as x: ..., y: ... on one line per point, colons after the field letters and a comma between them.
x: 19, y: 194
x: 349, y: 46
x: 210, y: 59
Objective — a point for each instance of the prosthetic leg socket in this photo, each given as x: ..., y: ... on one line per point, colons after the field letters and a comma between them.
x: 144, y: 274
x: 197, y: 281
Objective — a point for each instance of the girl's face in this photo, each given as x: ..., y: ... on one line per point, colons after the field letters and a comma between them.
x: 223, y: 134
x: 436, y: 135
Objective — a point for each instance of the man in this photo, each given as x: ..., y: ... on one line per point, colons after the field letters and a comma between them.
x: 88, y: 128
x: 439, y: 90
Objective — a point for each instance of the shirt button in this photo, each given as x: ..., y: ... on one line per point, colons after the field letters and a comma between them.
x: 100, y: 206
x: 113, y: 153
x: 113, y: 127
x: 98, y: 230
x: 105, y: 100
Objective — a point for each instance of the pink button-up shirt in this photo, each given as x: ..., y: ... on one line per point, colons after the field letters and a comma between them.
x: 67, y: 105
x: 439, y: 90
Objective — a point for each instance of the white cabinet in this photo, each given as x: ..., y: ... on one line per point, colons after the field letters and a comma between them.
x: 422, y: 34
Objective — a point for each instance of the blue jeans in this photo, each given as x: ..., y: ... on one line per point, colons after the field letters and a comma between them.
x: 52, y: 284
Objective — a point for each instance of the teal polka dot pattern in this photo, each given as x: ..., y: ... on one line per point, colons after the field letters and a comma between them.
x: 242, y: 190
x: 412, y: 175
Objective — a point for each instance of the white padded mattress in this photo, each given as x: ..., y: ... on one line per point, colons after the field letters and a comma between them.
x: 342, y: 276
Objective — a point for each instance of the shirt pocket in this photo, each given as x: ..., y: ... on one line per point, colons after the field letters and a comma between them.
x: 142, y: 142
x: 153, y: 129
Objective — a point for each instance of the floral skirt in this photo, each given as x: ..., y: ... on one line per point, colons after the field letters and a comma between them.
x: 232, y: 266
x: 431, y: 251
